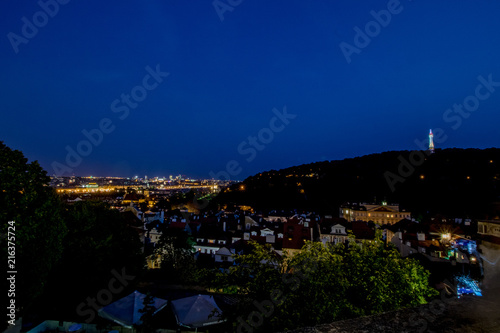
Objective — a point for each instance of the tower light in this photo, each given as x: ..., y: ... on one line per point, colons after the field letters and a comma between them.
x: 431, y: 141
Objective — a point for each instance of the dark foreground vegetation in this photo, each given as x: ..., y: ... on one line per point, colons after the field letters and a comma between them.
x: 321, y: 284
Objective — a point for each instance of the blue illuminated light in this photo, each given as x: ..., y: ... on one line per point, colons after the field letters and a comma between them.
x: 466, y: 285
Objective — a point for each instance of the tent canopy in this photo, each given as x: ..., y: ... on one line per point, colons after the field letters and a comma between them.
x: 196, y: 311
x: 125, y: 311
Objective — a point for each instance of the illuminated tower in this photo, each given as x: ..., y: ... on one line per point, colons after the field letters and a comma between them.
x: 431, y: 141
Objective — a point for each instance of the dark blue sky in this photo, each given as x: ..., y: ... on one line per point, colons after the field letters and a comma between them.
x: 226, y: 77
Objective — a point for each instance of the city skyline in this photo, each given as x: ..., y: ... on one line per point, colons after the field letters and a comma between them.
x: 221, y: 176
x: 198, y: 89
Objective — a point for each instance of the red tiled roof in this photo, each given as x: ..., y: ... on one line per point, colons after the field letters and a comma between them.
x: 361, y: 230
x: 177, y: 225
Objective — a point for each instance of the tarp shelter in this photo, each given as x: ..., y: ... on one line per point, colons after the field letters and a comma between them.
x: 125, y: 311
x: 196, y: 311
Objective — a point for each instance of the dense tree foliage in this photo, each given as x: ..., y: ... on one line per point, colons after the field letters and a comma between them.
x: 321, y: 284
x: 176, y: 248
x: 98, y: 242
x: 63, y: 253
x: 147, y: 313
x: 26, y: 199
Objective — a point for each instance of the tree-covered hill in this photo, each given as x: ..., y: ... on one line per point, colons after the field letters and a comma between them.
x: 460, y: 182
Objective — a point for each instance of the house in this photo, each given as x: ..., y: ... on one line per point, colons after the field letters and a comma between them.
x: 133, y: 198
x: 489, y: 230
x: 241, y: 247
x: 409, y: 244
x: 207, y: 245
x: 154, y: 235
x: 380, y: 214
x: 446, y: 229
x: 362, y: 230
x: 296, y: 231
x: 404, y: 226
x: 209, y: 239
x: 333, y: 230
x: 249, y: 223
x: 135, y: 223
x: 223, y: 255
x: 180, y: 225
x: 150, y: 216
x: 411, y: 238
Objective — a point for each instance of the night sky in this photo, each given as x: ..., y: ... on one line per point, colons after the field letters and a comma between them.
x: 344, y: 96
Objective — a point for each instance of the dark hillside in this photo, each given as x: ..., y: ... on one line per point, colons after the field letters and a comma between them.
x: 459, y: 182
